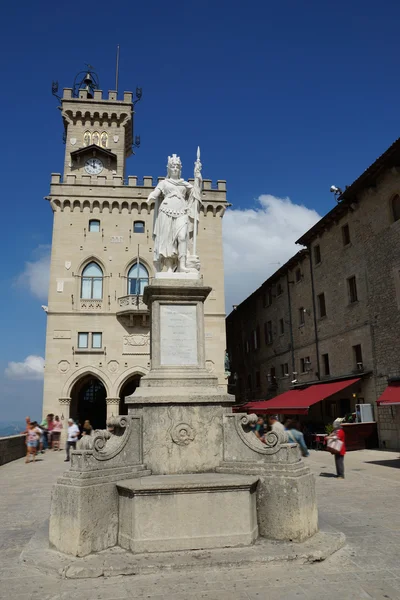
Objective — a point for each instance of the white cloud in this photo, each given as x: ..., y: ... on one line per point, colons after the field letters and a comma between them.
x: 258, y: 241
x: 31, y: 368
x: 36, y: 274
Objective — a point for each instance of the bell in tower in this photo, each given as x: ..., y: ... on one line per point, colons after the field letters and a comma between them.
x: 86, y: 80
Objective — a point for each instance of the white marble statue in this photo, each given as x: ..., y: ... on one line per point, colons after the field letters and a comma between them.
x: 176, y: 216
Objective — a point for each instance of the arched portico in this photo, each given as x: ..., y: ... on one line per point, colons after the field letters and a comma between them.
x: 88, y: 401
x: 127, y: 389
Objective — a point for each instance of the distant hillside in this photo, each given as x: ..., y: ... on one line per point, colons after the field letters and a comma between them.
x: 11, y: 428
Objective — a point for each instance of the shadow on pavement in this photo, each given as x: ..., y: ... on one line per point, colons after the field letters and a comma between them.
x: 327, y: 475
x: 385, y: 463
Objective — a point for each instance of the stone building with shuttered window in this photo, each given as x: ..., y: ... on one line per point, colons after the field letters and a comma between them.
x: 332, y: 312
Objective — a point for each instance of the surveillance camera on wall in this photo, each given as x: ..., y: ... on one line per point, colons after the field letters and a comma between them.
x: 294, y: 380
x: 334, y: 189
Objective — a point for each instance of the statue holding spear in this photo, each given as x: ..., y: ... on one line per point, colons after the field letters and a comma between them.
x: 176, y: 217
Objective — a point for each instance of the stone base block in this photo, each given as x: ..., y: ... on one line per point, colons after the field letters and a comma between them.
x: 84, y: 510
x: 187, y: 512
x: 286, y: 499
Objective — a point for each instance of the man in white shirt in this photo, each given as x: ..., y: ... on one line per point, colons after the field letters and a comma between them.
x: 73, y: 436
x: 275, y: 424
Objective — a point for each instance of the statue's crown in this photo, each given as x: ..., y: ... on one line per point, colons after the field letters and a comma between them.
x: 174, y: 159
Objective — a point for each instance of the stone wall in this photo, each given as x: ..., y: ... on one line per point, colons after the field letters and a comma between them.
x: 11, y: 448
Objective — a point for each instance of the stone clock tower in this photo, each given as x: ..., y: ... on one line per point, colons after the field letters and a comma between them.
x: 97, y: 342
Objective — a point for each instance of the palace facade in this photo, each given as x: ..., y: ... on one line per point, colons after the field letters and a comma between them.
x: 97, y: 342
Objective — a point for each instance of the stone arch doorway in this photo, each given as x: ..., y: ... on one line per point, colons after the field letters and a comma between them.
x: 128, y: 389
x: 88, y: 402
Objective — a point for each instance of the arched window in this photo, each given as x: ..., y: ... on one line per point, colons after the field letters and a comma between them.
x: 94, y: 225
x: 138, y: 227
x: 95, y: 138
x: 104, y: 140
x: 396, y: 207
x: 92, y: 282
x: 87, y: 138
x: 137, y: 279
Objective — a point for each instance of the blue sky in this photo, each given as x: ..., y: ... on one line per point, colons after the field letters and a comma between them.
x: 283, y: 98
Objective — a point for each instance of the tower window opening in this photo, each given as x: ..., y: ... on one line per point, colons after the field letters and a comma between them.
x: 138, y: 227
x: 94, y: 226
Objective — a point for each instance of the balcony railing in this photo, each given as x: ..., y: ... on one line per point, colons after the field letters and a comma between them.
x: 131, y: 304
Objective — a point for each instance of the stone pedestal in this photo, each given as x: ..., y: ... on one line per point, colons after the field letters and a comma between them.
x: 84, y: 503
x: 179, y: 401
x: 286, y: 498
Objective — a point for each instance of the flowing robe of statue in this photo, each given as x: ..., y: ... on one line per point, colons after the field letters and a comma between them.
x: 175, y: 213
x: 171, y: 222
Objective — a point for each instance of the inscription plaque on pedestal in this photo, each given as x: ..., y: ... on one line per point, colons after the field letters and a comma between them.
x: 178, y: 335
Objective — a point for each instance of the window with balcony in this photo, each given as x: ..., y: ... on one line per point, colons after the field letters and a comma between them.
x: 138, y: 227
x: 94, y: 226
x: 92, y: 282
x: 352, y: 289
x: 138, y: 278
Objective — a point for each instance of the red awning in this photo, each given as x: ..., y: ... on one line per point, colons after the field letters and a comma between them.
x: 297, y: 402
x: 390, y: 396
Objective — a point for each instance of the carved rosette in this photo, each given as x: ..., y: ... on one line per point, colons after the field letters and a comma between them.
x: 182, y: 434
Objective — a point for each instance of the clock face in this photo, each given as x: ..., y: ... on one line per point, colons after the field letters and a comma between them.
x: 93, y: 166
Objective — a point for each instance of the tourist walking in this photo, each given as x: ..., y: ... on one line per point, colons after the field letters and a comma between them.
x: 87, y: 428
x: 32, y: 440
x: 56, y: 433
x: 336, y: 444
x: 50, y: 425
x: 43, y: 444
x: 296, y: 436
x: 73, y: 436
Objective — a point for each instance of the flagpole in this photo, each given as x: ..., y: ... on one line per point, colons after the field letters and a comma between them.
x: 197, y: 197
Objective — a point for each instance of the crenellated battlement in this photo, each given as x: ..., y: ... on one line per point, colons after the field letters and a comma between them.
x: 147, y: 181
x: 97, y: 97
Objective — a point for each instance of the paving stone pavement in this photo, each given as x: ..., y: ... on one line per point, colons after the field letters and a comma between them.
x: 365, y: 506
